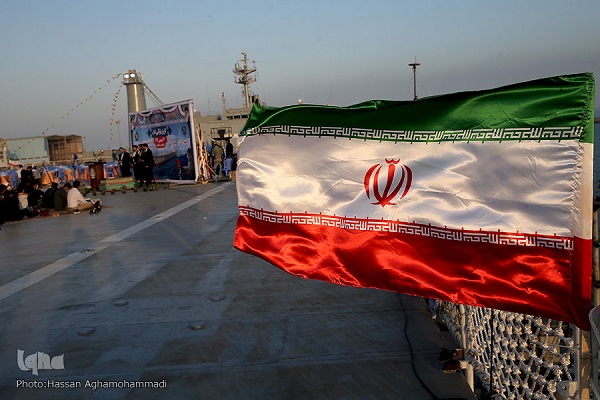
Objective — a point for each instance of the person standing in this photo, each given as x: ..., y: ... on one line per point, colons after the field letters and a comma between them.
x: 216, y: 153
x: 27, y: 175
x: 124, y: 162
x: 228, y: 149
x: 135, y: 163
x: 147, y: 164
x: 233, y: 167
x: 37, y: 175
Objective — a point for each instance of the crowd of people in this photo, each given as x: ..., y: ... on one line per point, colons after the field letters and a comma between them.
x: 140, y: 162
x: 223, y: 160
x: 22, y: 201
x: 27, y: 200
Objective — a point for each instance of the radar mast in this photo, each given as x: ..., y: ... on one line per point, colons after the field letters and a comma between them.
x: 243, y: 77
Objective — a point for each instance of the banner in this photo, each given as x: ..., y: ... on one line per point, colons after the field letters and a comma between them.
x: 168, y: 132
x: 481, y: 198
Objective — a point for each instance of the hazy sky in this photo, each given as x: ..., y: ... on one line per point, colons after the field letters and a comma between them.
x: 55, y: 54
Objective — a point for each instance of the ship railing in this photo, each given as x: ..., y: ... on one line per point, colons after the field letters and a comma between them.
x: 518, y: 356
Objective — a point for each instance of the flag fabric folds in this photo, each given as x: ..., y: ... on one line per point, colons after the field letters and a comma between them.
x: 481, y: 198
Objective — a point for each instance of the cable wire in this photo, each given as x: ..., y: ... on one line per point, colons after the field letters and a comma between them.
x: 153, y: 96
x: 412, y: 354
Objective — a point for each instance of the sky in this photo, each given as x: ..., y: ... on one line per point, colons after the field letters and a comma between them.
x: 58, y: 58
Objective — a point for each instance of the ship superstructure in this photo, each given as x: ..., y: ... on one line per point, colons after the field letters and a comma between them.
x: 230, y: 122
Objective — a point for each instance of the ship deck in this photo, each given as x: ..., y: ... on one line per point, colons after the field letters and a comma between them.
x: 150, y: 292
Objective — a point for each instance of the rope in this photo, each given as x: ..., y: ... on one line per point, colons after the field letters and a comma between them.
x: 112, y: 117
x: 82, y: 102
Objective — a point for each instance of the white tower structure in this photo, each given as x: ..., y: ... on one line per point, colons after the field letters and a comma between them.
x: 136, y: 99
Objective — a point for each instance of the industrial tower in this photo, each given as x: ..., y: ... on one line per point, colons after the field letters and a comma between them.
x: 136, y: 99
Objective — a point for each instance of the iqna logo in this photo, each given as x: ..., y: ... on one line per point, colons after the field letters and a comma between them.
x: 38, y: 360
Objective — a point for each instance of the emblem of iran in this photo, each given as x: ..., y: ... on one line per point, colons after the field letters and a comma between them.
x: 384, y: 184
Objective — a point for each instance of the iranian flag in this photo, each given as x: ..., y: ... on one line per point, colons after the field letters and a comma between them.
x: 481, y: 198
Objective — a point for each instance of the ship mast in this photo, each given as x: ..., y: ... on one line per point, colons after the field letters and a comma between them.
x: 243, y: 77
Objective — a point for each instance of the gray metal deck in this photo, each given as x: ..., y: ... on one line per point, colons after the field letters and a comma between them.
x: 151, y: 290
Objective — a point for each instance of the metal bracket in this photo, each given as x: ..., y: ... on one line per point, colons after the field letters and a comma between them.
x: 566, y: 388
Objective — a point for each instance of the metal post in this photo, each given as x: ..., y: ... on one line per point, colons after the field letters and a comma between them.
x: 492, y: 352
x: 464, y: 344
x: 118, y: 122
x: 582, y: 362
x: 595, y: 351
x: 414, y: 67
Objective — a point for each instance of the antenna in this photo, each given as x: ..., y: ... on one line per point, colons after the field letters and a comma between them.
x: 224, y: 101
x: 414, y: 67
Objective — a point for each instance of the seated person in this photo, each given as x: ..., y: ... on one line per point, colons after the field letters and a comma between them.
x: 34, y: 195
x: 227, y: 165
x: 48, y: 200
x: 9, y: 205
x: 24, y: 206
x: 60, y: 197
x: 75, y: 200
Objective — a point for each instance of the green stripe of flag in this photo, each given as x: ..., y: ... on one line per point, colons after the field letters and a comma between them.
x: 558, y: 102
